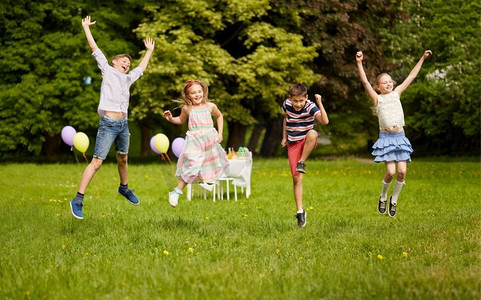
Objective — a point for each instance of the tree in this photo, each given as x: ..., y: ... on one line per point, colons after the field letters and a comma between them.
x: 442, y: 106
x: 46, y: 66
x: 247, y: 61
x: 340, y: 29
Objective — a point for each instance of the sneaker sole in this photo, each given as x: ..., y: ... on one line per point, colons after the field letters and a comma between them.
x: 71, y: 209
x: 128, y: 200
x: 301, y: 171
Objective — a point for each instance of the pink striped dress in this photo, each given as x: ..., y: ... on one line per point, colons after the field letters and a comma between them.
x: 202, y: 158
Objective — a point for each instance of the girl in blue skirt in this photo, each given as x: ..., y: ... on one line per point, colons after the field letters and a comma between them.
x: 393, y: 147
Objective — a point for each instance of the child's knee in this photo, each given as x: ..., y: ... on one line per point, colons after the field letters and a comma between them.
x: 96, y: 163
x: 122, y: 159
x: 297, y: 179
x: 312, y: 135
x: 390, y: 173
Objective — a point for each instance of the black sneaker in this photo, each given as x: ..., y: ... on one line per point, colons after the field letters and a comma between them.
x: 301, y: 167
x: 301, y: 219
x: 392, y: 208
x: 381, y: 206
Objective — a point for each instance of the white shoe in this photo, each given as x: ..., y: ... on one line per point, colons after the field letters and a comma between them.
x: 207, y: 186
x: 174, y: 197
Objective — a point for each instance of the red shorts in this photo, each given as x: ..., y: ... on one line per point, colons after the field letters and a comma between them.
x: 294, y: 153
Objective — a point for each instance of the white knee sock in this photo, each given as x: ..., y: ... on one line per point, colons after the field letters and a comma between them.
x: 397, y: 190
x: 385, y: 189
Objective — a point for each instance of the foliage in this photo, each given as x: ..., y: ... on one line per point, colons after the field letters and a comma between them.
x: 443, y: 105
x: 45, y: 60
x: 341, y: 28
x: 247, y: 61
x: 250, y: 249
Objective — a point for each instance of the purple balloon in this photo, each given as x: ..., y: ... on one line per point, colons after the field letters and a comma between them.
x: 152, y: 146
x: 68, y: 133
x: 177, y: 146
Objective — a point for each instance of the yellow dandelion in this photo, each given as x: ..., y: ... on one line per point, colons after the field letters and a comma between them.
x: 405, y: 254
x: 278, y: 251
x: 191, y: 250
x: 166, y: 253
x: 64, y: 247
x: 379, y: 256
x: 207, y: 218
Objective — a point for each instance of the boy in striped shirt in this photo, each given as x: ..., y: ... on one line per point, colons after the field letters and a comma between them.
x: 299, y: 136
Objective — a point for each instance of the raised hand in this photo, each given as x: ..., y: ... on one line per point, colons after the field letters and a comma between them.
x: 87, y: 22
x: 359, y: 56
x: 149, y: 44
x: 427, y: 53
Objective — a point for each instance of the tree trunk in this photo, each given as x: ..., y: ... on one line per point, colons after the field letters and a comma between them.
x: 272, y: 138
x: 145, y: 140
x: 51, y: 147
x: 255, y: 136
x: 237, y: 133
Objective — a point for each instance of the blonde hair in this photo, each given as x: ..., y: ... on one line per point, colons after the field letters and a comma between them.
x: 378, y: 78
x: 185, y: 98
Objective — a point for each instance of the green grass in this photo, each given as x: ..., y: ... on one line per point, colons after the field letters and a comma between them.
x: 250, y: 249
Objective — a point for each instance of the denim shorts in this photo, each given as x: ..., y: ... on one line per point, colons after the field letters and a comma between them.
x: 110, y: 131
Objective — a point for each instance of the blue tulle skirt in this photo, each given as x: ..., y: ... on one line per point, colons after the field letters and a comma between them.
x: 392, y: 147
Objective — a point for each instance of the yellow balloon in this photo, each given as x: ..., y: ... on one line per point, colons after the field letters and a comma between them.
x: 81, y: 142
x: 161, y: 142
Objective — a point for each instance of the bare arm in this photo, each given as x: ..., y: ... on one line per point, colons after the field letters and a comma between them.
x: 149, y: 45
x: 177, y: 120
x: 414, y: 72
x: 367, y: 86
x: 220, y: 119
x: 86, y: 23
x: 322, y: 116
x: 284, y: 132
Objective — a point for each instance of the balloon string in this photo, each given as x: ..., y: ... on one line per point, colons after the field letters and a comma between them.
x: 168, y: 157
x: 162, y: 155
x: 86, y: 159
x: 75, y: 157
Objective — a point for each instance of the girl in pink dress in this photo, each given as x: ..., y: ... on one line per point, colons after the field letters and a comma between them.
x: 202, y: 157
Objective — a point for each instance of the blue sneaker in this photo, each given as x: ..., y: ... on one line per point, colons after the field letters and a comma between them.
x: 76, y: 208
x: 129, y: 194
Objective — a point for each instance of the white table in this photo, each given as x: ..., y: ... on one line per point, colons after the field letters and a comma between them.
x: 238, y: 172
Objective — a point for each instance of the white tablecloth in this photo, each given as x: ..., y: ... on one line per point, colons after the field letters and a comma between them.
x: 240, y: 170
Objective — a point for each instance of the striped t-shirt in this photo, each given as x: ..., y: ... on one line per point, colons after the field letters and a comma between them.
x: 298, y: 123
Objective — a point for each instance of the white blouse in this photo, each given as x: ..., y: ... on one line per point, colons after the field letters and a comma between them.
x: 389, y: 111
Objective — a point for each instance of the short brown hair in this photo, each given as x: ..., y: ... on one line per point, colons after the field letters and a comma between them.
x: 122, y: 56
x: 297, y: 89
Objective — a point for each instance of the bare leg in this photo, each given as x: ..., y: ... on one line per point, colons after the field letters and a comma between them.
x: 89, y: 173
x: 390, y: 171
x: 182, y: 184
x: 123, y: 168
x: 297, y: 180
x: 311, y: 142
x: 401, y: 170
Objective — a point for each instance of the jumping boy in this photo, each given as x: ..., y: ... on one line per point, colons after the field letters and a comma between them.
x: 300, y: 137
x: 113, y: 126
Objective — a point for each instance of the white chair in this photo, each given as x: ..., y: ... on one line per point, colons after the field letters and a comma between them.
x: 220, y: 189
x: 190, y: 190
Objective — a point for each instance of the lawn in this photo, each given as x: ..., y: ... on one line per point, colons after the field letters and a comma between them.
x: 249, y: 249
